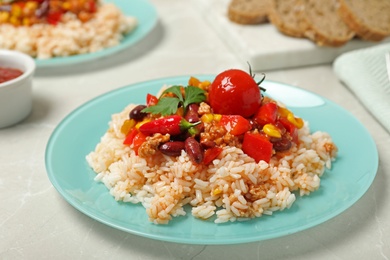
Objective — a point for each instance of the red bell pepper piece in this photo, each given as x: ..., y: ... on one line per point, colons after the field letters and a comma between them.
x: 151, y: 100
x: 138, y: 140
x: 135, y: 138
x: 235, y: 124
x: 173, y: 125
x: 130, y: 136
x: 257, y: 146
x: 54, y: 17
x: 210, y: 154
x: 20, y: 4
x: 266, y: 114
x: 91, y: 6
x: 291, y: 128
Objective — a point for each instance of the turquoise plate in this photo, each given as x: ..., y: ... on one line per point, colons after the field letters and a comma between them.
x: 78, y: 134
x: 147, y: 19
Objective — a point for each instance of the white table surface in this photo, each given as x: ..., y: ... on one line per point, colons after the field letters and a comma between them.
x: 37, y: 223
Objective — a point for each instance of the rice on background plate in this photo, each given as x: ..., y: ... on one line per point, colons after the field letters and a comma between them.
x: 231, y: 188
x: 71, y: 36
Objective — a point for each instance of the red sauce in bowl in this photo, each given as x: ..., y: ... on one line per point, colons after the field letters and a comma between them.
x: 7, y: 74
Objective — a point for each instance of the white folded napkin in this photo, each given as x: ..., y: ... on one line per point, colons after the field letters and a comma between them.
x: 365, y: 74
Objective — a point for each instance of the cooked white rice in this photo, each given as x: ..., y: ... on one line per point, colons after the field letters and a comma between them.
x: 233, y: 187
x: 70, y: 37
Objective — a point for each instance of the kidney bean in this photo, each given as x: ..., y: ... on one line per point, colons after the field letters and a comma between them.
x: 192, y: 113
x: 281, y: 144
x: 137, y: 113
x: 43, y: 9
x: 194, y: 150
x: 208, y: 144
x: 192, y: 116
x: 173, y: 148
x: 253, y: 124
x: 281, y: 127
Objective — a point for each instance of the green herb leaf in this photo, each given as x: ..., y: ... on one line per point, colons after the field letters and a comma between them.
x: 168, y: 105
x: 165, y: 106
x: 175, y: 90
x: 193, y: 95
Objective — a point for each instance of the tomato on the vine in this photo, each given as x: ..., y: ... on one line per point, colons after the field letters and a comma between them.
x: 234, y: 92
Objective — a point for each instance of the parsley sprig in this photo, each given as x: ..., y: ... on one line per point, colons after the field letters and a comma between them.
x: 168, y: 105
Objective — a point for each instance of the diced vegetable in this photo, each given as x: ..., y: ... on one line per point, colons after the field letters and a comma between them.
x: 290, y: 127
x: 267, y: 114
x: 296, y: 121
x: 151, y: 100
x: 127, y: 126
x: 138, y: 140
x: 235, y: 124
x: 257, y: 146
x: 210, y: 154
x: 193, y: 82
x: 130, y: 137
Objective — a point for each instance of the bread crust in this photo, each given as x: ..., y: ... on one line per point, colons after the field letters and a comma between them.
x: 308, y: 18
x: 248, y: 11
x: 358, y: 26
x: 295, y: 29
x: 324, y: 40
x: 323, y: 36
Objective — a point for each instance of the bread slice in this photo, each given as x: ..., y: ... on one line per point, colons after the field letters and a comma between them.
x: 325, y: 26
x: 286, y: 16
x: 370, y: 19
x: 248, y: 11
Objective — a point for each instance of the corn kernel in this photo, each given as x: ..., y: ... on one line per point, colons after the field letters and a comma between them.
x: 4, y: 17
x: 217, y: 117
x: 31, y: 5
x: 65, y: 5
x: 204, y: 84
x: 26, y: 21
x: 193, y: 82
x: 283, y: 111
x: 180, y: 111
x: 138, y: 125
x: 298, y: 122
x: 207, y: 118
x: 16, y: 11
x: 127, y: 126
x: 216, y: 191
x: 272, y: 130
x: 14, y: 20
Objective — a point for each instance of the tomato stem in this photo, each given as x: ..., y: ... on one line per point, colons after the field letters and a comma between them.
x: 254, y: 75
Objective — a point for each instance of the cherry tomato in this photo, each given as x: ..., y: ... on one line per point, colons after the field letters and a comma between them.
x: 234, y: 92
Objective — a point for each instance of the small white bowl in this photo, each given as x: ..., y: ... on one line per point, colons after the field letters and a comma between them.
x: 16, y: 94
